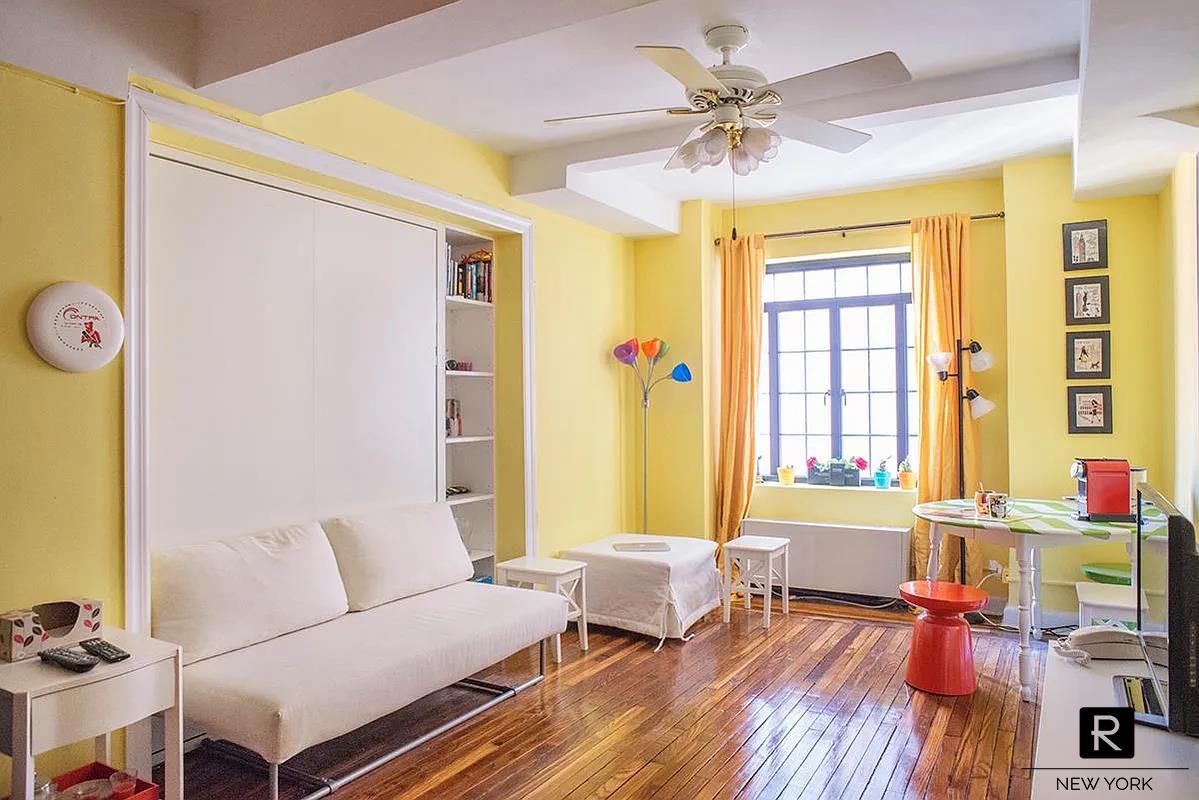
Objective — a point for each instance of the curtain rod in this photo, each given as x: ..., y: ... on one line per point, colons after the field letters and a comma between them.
x: 864, y: 227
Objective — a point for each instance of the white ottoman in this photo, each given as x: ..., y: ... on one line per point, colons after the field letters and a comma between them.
x: 658, y: 594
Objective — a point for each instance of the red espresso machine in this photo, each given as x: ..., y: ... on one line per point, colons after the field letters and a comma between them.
x: 1104, y: 489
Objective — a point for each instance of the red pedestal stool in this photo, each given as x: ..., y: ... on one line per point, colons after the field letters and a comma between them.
x: 942, y: 656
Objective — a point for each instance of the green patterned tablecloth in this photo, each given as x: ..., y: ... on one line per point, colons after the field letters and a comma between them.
x: 1037, y: 517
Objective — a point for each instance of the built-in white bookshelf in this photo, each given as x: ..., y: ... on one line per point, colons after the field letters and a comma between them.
x: 470, y: 452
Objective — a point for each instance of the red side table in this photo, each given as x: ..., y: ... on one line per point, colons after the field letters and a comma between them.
x: 942, y: 656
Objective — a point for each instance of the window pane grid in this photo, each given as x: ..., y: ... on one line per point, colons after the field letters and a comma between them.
x: 844, y: 363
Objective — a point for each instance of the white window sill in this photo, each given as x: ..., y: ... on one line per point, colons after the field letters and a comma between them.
x: 826, y: 487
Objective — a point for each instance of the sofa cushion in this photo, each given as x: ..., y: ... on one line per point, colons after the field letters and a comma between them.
x: 399, y: 552
x: 217, y: 596
x: 282, y: 696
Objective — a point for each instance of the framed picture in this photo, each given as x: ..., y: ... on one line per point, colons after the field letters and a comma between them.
x: 1088, y: 301
x: 1088, y: 355
x: 1084, y: 245
x: 1089, y: 409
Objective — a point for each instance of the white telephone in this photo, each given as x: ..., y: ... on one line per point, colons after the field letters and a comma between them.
x: 1112, y: 643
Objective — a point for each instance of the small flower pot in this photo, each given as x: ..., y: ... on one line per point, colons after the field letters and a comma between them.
x: 786, y: 475
x: 836, y: 474
x: 853, y: 476
x: 882, y: 479
x: 817, y: 477
x: 907, y: 480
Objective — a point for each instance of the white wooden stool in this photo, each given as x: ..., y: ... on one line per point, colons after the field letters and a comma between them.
x: 745, y: 550
x: 558, y: 575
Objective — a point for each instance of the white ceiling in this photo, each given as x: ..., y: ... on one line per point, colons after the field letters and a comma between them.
x: 971, y: 144
x: 500, y: 95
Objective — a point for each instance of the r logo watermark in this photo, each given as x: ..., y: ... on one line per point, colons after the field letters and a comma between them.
x: 1106, y: 733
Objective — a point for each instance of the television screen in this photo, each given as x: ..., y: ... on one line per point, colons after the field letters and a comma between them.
x: 1167, y: 579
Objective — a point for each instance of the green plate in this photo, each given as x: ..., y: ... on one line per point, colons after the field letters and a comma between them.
x: 1113, y: 573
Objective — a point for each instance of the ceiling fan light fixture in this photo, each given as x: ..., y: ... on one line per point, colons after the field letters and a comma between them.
x: 761, y: 143
x: 742, y: 161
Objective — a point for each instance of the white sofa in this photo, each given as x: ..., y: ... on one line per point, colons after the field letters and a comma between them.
x: 294, y: 636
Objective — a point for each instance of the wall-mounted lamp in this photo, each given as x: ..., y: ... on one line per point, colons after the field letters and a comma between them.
x: 944, y: 365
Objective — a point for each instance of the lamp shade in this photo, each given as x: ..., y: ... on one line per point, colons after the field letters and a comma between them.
x: 681, y: 373
x: 980, y: 406
x: 939, y: 361
x: 626, y: 352
x: 981, y: 361
x: 652, y: 349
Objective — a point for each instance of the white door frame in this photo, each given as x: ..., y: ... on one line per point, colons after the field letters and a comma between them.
x: 141, y: 111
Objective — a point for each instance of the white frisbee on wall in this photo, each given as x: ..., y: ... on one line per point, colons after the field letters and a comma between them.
x: 75, y: 326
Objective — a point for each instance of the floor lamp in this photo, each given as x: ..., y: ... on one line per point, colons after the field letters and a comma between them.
x: 654, y: 351
x: 949, y: 365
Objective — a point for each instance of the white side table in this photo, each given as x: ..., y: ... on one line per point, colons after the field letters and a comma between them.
x: 43, y: 706
x: 559, y: 575
x: 764, y: 549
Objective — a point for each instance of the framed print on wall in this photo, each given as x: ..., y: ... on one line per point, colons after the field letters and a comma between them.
x: 1088, y: 301
x: 1084, y: 245
x: 1089, y: 409
x: 1088, y: 355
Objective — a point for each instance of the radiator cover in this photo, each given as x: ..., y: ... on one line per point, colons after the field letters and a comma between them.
x: 849, y: 559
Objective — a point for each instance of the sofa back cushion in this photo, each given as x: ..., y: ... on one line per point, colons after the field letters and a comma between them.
x: 399, y: 552
x: 217, y: 596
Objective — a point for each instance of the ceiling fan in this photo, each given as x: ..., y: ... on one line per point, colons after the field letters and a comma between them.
x: 744, y: 115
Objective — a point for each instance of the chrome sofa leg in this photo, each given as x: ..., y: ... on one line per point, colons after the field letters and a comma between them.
x: 274, y: 782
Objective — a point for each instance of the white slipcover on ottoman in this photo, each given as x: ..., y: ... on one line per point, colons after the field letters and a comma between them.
x: 660, y: 594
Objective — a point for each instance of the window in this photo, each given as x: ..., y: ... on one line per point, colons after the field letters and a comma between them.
x: 838, y: 353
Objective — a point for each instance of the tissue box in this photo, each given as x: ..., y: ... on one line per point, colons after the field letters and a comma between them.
x: 70, y: 621
x: 21, y: 635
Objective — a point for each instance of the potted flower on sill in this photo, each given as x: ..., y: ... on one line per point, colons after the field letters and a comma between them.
x: 854, y: 467
x: 882, y: 475
x: 818, y: 473
x: 786, y: 474
x: 907, y: 478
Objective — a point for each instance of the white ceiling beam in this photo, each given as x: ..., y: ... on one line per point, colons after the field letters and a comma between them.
x: 1137, y: 59
x: 991, y: 87
x: 330, y: 47
x: 97, y: 43
x: 567, y: 178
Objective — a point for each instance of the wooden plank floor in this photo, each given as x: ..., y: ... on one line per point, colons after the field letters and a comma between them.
x: 814, y: 708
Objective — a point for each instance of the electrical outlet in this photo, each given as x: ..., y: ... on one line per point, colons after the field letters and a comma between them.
x: 997, y: 568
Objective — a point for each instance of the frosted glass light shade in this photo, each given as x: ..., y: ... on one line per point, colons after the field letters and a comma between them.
x: 939, y: 361
x: 980, y: 406
x: 981, y: 361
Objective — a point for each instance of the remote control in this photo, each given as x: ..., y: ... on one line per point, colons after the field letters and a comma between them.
x: 105, y: 650
x: 69, y: 659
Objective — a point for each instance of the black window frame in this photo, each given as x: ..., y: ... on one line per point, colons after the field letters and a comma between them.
x: 901, y: 302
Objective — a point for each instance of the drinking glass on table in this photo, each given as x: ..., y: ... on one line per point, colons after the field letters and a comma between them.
x: 124, y: 783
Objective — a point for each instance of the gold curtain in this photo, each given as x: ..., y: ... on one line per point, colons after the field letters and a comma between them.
x: 742, y: 269
x: 941, y: 276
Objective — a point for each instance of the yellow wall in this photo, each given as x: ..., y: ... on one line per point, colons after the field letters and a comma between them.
x: 1180, y: 407
x: 1038, y: 199
x: 61, y: 167
x: 673, y: 285
x: 60, y: 461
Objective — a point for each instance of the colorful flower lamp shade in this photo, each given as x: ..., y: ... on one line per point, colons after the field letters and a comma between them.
x: 655, y: 351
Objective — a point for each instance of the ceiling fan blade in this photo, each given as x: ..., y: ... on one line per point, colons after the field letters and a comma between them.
x: 873, y: 72
x: 616, y: 114
x: 685, y: 68
x: 1186, y: 115
x: 821, y: 134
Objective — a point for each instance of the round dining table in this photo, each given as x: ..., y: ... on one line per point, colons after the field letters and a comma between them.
x: 1030, y: 526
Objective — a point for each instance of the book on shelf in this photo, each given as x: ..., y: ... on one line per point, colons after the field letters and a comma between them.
x: 453, y: 417
x: 469, y: 276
